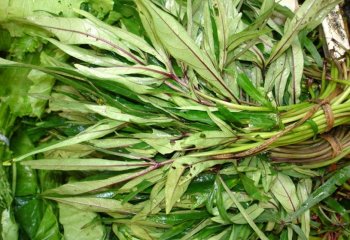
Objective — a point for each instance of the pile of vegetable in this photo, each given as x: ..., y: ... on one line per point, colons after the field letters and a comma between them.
x: 172, y: 119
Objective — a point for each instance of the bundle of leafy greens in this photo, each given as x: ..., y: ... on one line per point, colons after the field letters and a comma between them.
x: 166, y: 119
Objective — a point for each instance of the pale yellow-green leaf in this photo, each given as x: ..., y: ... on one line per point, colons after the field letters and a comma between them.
x: 83, y: 31
x: 177, y: 41
x: 96, y: 204
x: 116, y: 114
x: 173, y: 190
x: 284, y: 190
x: 80, y: 224
x: 81, y: 164
x: 304, y: 188
x: 86, y: 55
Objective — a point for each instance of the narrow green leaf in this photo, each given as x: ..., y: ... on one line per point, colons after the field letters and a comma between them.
x: 81, y: 164
x: 98, y: 130
x: 83, y: 31
x: 116, y: 114
x: 245, y: 83
x: 251, y: 189
x: 300, y: 232
x: 132, y: 40
x: 9, y: 228
x: 86, y: 55
x: 174, y: 190
x: 297, y: 67
x: 177, y: 41
x: 309, y: 15
x: 76, y: 188
x: 244, y: 213
x: 267, y: 176
x: 304, y: 188
x: 96, y: 204
x: 277, y: 76
x: 324, y: 191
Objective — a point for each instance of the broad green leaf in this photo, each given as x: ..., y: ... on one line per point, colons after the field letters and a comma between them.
x: 9, y: 228
x: 20, y: 8
x: 141, y: 232
x: 81, y: 164
x: 32, y: 208
x: 98, y: 130
x: 80, y: 224
x: 304, y: 188
x: 101, y: 7
x: 48, y: 228
x: 176, y: 40
x: 198, y: 165
x: 284, y: 190
x: 26, y: 178
x: 16, y: 86
x: 39, y: 91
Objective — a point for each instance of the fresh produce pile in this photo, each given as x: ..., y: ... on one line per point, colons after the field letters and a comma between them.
x: 172, y: 119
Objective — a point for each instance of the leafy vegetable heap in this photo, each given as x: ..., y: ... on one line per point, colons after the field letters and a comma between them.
x: 172, y: 120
